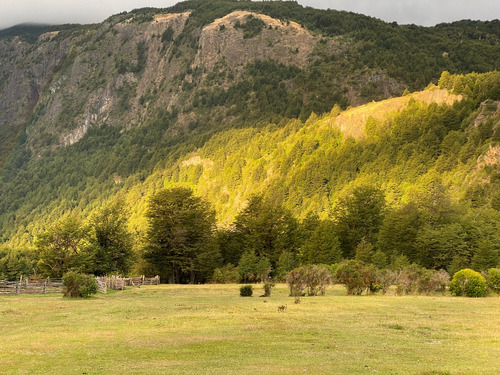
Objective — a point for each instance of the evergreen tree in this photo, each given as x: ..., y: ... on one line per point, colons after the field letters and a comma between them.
x: 321, y: 244
x: 110, y: 241
x: 267, y: 229
x: 364, y: 252
x: 399, y: 231
x: 486, y: 256
x: 180, y: 229
x: 359, y: 216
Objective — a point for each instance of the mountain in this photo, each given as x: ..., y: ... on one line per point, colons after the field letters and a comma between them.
x: 235, y: 98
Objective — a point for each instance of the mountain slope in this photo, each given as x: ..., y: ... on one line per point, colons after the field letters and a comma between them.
x: 87, y: 112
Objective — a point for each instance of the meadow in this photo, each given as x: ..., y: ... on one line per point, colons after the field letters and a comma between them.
x: 210, y: 329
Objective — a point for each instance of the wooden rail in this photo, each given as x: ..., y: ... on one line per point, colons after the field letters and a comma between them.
x: 42, y: 286
x: 28, y: 286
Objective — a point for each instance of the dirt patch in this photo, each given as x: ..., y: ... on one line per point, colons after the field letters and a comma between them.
x: 166, y: 16
x: 352, y: 122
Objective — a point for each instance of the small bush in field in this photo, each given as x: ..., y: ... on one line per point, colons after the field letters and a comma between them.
x: 312, y: 278
x: 408, y: 278
x: 226, y: 275
x: 246, y: 291
x: 468, y: 283
x: 385, y: 278
x: 352, y: 274
x: 79, y: 285
x: 431, y: 281
x: 296, y: 282
x: 268, y: 285
x: 494, y: 280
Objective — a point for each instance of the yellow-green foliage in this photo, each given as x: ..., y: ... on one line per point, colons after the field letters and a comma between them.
x: 468, y: 283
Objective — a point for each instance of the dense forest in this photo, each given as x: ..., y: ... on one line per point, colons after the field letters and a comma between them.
x: 421, y: 187
x: 259, y: 150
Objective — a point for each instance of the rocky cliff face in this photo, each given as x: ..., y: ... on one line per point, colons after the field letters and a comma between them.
x: 127, y: 71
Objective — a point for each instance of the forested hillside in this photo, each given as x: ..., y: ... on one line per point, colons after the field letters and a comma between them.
x: 300, y: 111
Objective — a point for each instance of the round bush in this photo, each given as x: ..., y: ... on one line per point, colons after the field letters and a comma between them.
x: 79, y: 285
x: 246, y: 291
x: 468, y: 283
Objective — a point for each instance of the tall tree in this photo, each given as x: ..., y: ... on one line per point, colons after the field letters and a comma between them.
x: 180, y: 230
x: 110, y: 241
x: 62, y: 247
x: 320, y: 242
x: 267, y: 229
x: 358, y: 216
x: 399, y: 231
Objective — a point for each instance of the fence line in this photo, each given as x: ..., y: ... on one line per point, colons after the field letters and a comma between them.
x: 27, y: 286
x: 119, y: 283
x: 42, y: 286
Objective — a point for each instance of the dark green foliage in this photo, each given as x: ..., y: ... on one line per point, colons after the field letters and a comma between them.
x: 246, y: 291
x: 253, y: 268
x: 179, y: 232
x: 26, y: 32
x: 267, y: 229
x: 494, y: 280
x: 251, y: 27
x: 399, y: 231
x: 111, y: 243
x: 359, y: 217
x: 321, y: 243
x: 364, y: 252
x: 486, y: 256
x: 353, y: 275
x: 168, y: 35
x: 468, y: 283
x: 227, y: 274
x: 268, y: 286
x: 287, y: 261
x: 17, y: 262
x: 78, y: 285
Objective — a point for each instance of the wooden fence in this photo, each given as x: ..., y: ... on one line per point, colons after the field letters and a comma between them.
x: 119, y: 283
x: 41, y: 286
x: 27, y: 286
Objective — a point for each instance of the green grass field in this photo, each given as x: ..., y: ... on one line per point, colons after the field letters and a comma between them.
x: 209, y: 329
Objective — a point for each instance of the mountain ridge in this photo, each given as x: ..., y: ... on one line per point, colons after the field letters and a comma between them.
x: 90, y: 111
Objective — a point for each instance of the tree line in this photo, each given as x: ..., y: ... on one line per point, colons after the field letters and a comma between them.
x: 183, y: 244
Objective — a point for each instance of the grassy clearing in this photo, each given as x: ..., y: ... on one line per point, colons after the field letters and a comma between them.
x: 209, y: 329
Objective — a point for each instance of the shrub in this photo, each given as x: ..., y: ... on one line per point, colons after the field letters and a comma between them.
x: 441, y: 280
x: 494, y: 280
x: 433, y: 281
x: 246, y: 291
x: 352, y: 274
x: 267, y: 288
x: 408, y: 279
x: 385, y: 278
x: 79, y: 285
x: 296, y: 281
x: 226, y: 275
x: 468, y: 283
x: 313, y: 279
